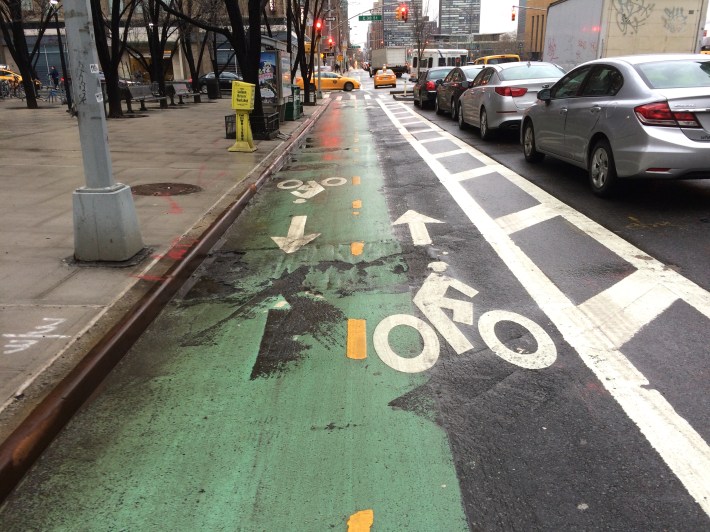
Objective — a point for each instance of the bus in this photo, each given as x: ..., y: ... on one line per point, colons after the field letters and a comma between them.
x: 436, y: 57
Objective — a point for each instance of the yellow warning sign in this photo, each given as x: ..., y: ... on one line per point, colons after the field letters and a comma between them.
x: 242, y: 96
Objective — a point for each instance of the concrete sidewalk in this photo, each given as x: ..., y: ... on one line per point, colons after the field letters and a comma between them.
x: 54, y: 311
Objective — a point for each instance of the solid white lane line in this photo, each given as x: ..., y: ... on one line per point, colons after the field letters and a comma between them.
x: 676, y: 441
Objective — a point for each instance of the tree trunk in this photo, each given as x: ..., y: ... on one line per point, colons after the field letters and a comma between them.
x: 22, y: 55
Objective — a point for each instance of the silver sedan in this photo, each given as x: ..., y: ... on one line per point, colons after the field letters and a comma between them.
x: 499, y: 94
x: 634, y: 116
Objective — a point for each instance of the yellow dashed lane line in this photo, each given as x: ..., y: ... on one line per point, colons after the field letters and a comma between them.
x: 357, y: 339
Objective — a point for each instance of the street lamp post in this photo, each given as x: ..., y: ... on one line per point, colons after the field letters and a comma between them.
x: 67, y: 92
x: 105, y: 220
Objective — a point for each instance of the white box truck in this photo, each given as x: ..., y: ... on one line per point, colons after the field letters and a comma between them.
x: 581, y: 30
x: 394, y: 57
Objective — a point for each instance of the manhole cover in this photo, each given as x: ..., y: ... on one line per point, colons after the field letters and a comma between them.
x: 165, y: 189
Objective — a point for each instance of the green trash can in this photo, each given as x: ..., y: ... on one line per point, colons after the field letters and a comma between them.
x: 293, y: 105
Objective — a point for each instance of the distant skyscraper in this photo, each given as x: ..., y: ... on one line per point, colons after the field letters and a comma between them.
x: 459, y: 17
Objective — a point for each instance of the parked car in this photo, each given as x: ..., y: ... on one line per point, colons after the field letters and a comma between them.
x: 633, y: 116
x: 384, y: 78
x: 225, y: 80
x: 500, y: 93
x: 424, y: 90
x: 331, y: 81
x: 449, y: 90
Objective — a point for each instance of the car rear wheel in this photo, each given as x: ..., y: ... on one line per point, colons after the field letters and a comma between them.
x: 486, y: 133
x: 529, y: 147
x: 348, y: 87
x: 437, y: 108
x: 203, y: 89
x: 416, y: 102
x: 602, y: 170
x: 454, y: 110
x: 459, y: 113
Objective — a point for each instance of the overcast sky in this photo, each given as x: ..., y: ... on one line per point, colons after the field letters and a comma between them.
x: 495, y: 17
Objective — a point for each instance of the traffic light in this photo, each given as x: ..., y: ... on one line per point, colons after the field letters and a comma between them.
x: 512, y: 15
x: 405, y: 12
x: 330, y: 42
x: 402, y: 12
x: 318, y: 28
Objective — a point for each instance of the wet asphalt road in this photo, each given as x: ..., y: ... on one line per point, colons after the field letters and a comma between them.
x: 670, y: 220
x: 239, y: 410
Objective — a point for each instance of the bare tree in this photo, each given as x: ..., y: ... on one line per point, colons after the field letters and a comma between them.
x: 243, y: 33
x: 422, y: 29
x: 110, y: 34
x: 158, y: 25
x: 12, y: 27
x: 305, y: 61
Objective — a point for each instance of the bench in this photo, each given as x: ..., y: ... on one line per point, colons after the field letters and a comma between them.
x: 181, y: 90
x: 142, y: 94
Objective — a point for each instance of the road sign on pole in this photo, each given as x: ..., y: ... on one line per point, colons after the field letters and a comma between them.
x: 370, y: 17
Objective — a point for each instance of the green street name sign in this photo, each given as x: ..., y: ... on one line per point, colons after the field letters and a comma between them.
x: 370, y: 17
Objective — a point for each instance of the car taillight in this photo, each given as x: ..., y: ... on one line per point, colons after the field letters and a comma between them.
x: 430, y: 86
x: 515, y: 92
x: 660, y: 114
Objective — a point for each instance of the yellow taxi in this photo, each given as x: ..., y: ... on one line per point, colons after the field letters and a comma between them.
x: 331, y: 81
x: 13, y: 78
x: 385, y: 77
x: 497, y: 59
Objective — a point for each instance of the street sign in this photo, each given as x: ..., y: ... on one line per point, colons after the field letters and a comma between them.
x: 370, y: 17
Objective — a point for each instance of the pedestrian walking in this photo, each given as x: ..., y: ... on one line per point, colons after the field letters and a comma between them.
x: 55, y: 77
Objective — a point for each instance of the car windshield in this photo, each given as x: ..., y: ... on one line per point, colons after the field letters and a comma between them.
x: 681, y: 74
x: 472, y: 72
x: 438, y: 74
x: 530, y: 72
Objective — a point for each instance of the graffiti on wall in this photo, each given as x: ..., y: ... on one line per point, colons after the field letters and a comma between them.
x: 674, y: 19
x: 632, y: 14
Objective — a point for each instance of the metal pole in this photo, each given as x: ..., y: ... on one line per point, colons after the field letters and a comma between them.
x: 319, y: 93
x: 105, y: 221
x: 67, y: 92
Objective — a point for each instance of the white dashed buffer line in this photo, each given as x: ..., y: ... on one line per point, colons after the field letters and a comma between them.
x: 598, y: 327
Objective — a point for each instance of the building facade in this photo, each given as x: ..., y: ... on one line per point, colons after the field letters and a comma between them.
x: 531, y: 28
x: 459, y: 17
x: 390, y: 31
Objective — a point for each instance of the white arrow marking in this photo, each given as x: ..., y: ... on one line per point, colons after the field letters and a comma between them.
x: 417, y: 226
x: 295, y: 238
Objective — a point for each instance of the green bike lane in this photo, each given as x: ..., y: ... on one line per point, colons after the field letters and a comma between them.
x: 256, y: 401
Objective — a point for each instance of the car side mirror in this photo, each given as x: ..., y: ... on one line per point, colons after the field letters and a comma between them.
x: 439, y: 82
x: 465, y: 84
x: 544, y: 95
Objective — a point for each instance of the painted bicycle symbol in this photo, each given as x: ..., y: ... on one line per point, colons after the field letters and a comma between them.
x: 305, y: 191
x: 431, y: 301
